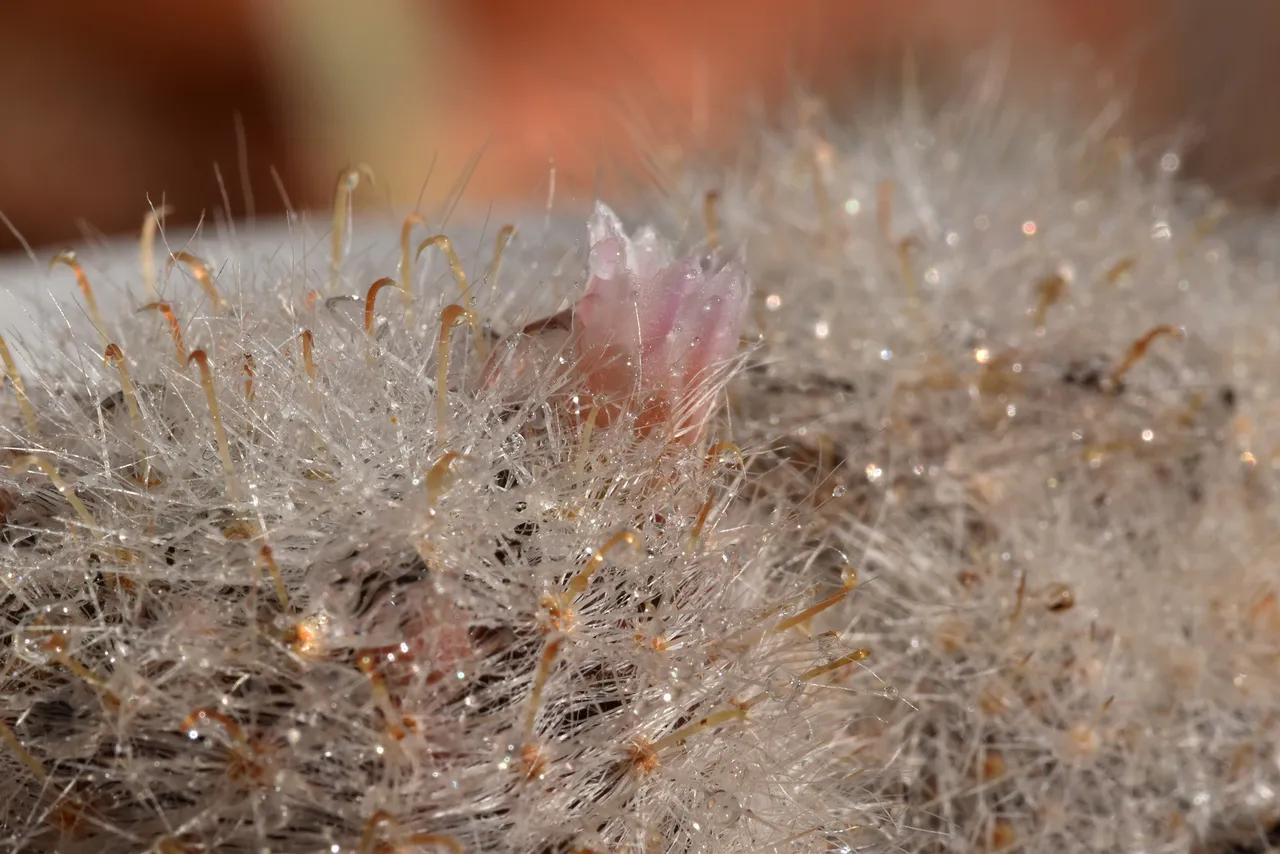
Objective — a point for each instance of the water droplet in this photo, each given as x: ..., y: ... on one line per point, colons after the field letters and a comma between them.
x: 849, y: 576
x: 729, y: 456
x: 782, y: 686
x: 723, y: 809
x: 839, y: 492
x: 40, y: 638
x: 891, y: 692
x: 35, y: 644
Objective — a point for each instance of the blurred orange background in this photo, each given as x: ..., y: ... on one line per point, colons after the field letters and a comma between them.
x: 105, y: 104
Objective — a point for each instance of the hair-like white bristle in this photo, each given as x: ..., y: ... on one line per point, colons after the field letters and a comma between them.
x: 1000, y: 428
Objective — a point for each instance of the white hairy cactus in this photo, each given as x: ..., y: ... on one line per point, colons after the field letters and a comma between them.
x: 972, y: 553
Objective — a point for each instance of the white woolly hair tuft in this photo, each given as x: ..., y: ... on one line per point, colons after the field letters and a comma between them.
x: 976, y: 553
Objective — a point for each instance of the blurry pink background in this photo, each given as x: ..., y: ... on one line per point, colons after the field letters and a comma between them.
x: 104, y: 103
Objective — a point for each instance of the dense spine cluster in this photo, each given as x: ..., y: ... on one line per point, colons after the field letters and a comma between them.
x: 332, y: 548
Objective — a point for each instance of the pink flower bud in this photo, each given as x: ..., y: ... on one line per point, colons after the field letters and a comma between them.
x: 652, y: 338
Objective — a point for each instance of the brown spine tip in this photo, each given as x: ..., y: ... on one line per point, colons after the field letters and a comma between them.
x: 545, y: 664
x: 1049, y: 292
x: 64, y: 489
x: 460, y: 276
x: 348, y: 180
x: 505, y: 235
x: 579, y: 583
x: 113, y: 355
x: 10, y: 738
x: 449, y: 318
x: 371, y: 298
x: 69, y: 258
x: 19, y: 390
x: 1139, y: 349
x: 175, y: 330
x: 147, y: 247
x: 308, y: 355
x: 200, y: 270
x: 215, y: 413
x: 250, y: 368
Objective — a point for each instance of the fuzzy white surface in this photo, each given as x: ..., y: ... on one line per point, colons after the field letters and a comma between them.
x: 1067, y: 572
